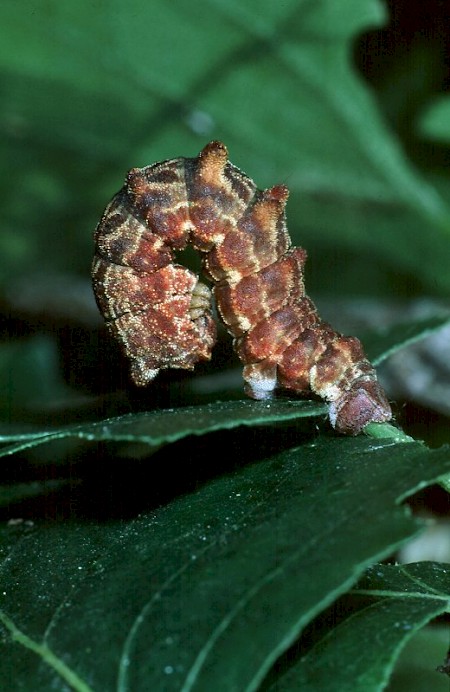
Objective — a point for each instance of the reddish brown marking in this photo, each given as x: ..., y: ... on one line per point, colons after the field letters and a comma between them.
x: 162, y: 316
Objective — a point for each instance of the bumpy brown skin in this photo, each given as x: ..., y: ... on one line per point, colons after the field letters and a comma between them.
x: 161, y: 313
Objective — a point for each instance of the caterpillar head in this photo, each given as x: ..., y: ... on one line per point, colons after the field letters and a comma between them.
x: 365, y: 402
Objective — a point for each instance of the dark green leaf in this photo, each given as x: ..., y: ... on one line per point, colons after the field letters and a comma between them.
x: 206, y: 592
x: 164, y: 426
x: 210, y: 588
x: 415, y: 670
x: 359, y: 653
x: 168, y: 425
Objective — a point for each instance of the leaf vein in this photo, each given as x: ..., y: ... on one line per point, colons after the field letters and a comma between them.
x: 46, y: 654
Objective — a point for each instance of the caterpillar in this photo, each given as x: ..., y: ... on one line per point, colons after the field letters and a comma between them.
x: 161, y: 313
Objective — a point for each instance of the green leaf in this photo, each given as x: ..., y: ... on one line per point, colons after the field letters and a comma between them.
x: 168, y: 425
x: 434, y: 120
x: 398, y: 601
x: 415, y: 670
x: 156, y: 428
x: 212, y: 580
x: 207, y: 591
x: 164, y: 426
x: 380, y: 345
x: 277, y: 84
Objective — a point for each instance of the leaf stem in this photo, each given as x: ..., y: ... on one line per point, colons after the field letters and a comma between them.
x: 386, y: 431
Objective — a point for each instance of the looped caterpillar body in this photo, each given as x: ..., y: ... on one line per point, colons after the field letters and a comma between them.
x: 161, y: 313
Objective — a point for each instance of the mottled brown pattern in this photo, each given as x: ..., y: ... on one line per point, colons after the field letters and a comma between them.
x: 161, y: 313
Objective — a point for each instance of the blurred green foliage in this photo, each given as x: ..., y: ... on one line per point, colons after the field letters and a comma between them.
x: 92, y: 90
